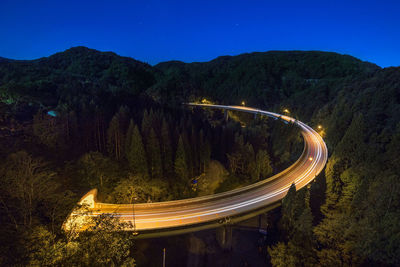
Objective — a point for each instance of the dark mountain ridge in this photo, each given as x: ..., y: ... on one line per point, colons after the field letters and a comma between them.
x: 3, y: 59
x: 76, y: 71
x: 260, y: 79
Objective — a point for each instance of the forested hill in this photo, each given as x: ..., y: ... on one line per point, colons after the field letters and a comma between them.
x: 358, y: 106
x: 361, y: 211
x: 349, y: 217
x: 81, y: 74
x: 3, y: 59
x: 72, y: 76
x: 261, y: 79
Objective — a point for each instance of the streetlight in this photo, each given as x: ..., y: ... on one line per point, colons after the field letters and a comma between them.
x: 310, y: 158
x: 133, y: 214
x: 286, y: 110
x: 243, y: 103
x: 321, y: 130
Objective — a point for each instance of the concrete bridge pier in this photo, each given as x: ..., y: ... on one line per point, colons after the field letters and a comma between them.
x: 226, y: 115
x: 224, y: 237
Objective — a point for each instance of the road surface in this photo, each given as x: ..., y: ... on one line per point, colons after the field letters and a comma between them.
x: 192, y: 214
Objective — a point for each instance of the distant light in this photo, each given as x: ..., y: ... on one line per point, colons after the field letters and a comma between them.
x: 286, y: 110
x: 243, y: 103
x: 52, y: 113
x: 319, y: 127
x: 310, y: 158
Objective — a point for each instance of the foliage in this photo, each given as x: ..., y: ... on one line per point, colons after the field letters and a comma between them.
x: 137, y: 189
x: 27, y: 184
x: 181, y: 158
x: 136, y: 154
x: 261, y: 79
x: 104, y: 245
x: 296, y: 222
x: 73, y: 75
x: 356, y: 102
x: 97, y: 171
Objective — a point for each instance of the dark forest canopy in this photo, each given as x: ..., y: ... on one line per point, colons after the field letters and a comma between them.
x: 263, y: 79
x: 260, y: 78
x: 350, y: 216
x: 77, y: 73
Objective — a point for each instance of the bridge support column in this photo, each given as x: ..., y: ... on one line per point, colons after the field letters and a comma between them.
x: 224, y: 237
x: 226, y: 115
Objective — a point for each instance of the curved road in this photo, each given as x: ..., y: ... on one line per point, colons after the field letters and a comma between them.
x: 179, y: 216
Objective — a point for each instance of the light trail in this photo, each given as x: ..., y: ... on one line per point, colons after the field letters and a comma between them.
x: 204, y: 212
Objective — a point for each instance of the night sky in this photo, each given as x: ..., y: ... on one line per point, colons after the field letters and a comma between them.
x: 155, y: 31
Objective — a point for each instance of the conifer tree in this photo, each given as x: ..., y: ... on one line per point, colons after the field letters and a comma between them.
x: 114, y: 138
x: 116, y: 133
x: 146, y: 125
x: 128, y: 139
x: 154, y: 155
x: 166, y: 149
x: 137, y: 155
x: 296, y: 222
x: 123, y: 116
x: 180, y: 165
x: 352, y: 147
x: 194, y: 142
x: 250, y: 169
x: 99, y: 130
x: 188, y: 154
x: 204, y: 152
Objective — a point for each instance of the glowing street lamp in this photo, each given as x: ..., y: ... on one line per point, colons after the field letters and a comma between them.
x: 286, y: 110
x: 243, y: 103
x: 321, y: 130
x: 310, y: 158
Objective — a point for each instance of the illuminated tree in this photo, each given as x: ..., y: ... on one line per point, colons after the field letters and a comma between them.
x: 263, y: 164
x: 29, y: 183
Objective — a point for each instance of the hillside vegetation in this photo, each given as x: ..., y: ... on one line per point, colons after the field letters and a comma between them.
x: 349, y: 217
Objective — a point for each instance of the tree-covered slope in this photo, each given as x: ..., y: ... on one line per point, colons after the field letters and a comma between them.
x: 264, y: 79
x: 358, y: 106
x: 357, y: 215
x: 261, y: 79
x: 68, y: 76
x: 360, y: 225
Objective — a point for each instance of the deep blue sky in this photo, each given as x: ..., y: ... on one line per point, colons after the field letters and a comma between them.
x: 154, y: 31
